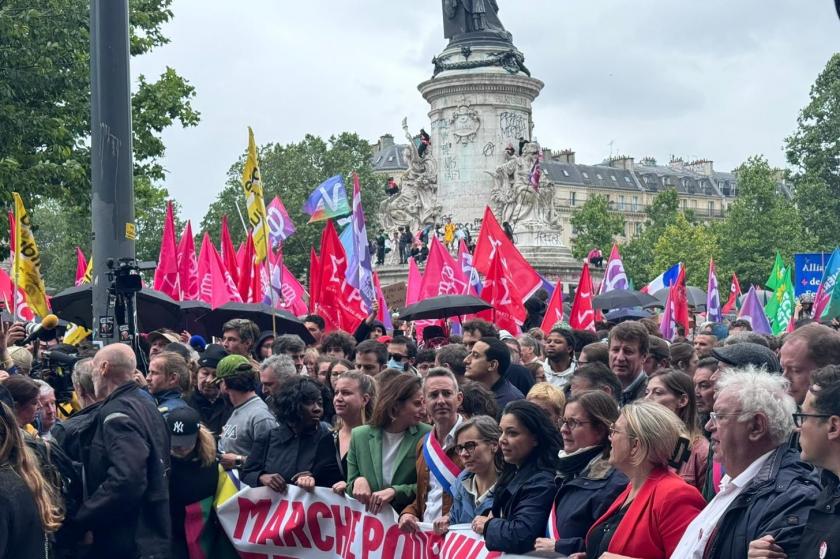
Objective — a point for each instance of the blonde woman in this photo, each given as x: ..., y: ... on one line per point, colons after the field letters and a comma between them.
x: 355, y: 394
x: 550, y: 398
x: 29, y: 507
x: 649, y: 517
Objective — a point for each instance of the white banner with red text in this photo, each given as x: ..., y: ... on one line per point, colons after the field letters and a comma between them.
x: 264, y: 524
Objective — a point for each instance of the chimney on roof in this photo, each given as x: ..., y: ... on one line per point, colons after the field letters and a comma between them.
x: 703, y: 167
x: 622, y: 162
x: 385, y: 141
x: 566, y: 156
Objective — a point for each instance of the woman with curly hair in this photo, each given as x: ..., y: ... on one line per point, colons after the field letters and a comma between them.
x: 28, y: 507
x: 301, y: 449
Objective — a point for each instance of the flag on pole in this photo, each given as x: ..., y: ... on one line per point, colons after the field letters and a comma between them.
x: 614, y: 276
x: 246, y: 269
x: 826, y: 304
x: 582, y: 315
x: 752, y: 310
x: 443, y: 276
x: 492, y: 239
x: 785, y: 303
x: 328, y: 200
x: 554, y: 312
x: 777, y: 274
x: 465, y: 259
x: 215, y: 285
x: 81, y: 266
x: 28, y: 261
x: 663, y: 280
x: 166, y: 273
x: 713, y: 313
x: 508, y: 312
x: 254, y: 198
x: 314, y: 279
x: 734, y: 293
x: 415, y: 281
x: 676, y: 309
x: 360, y: 267
x: 280, y: 226
x: 228, y: 252
x: 187, y: 265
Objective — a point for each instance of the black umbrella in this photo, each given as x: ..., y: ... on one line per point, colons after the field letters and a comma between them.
x: 696, y: 297
x: 262, y: 315
x: 191, y: 312
x: 622, y: 299
x: 620, y: 315
x: 443, y: 306
x: 154, y: 309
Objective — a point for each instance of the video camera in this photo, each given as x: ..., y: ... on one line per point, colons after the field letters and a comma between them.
x: 55, y: 367
x: 124, y: 275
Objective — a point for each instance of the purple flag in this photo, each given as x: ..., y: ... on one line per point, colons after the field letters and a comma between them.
x: 614, y: 276
x: 280, y: 226
x: 713, y: 313
x: 752, y: 310
x: 360, y: 269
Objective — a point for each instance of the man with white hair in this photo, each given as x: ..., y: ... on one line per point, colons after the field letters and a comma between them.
x: 274, y: 369
x: 48, y: 415
x: 767, y: 489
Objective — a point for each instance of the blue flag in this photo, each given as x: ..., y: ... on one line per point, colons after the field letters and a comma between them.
x: 328, y: 200
x: 360, y: 267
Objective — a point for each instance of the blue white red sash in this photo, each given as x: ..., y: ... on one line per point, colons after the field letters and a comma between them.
x: 551, y: 530
x: 440, y: 465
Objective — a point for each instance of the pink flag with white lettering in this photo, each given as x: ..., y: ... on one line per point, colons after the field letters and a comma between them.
x: 215, y: 285
x: 166, y: 273
x: 187, y: 265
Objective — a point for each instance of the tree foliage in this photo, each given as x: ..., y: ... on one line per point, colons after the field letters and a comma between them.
x: 292, y: 172
x: 594, y: 226
x: 45, y: 118
x: 692, y: 244
x: 759, y: 222
x: 814, y: 150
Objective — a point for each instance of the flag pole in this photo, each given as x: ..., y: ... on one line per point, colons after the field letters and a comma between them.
x: 241, y: 219
x: 16, y: 251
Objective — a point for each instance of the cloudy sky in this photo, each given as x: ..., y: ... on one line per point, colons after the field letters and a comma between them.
x: 718, y: 79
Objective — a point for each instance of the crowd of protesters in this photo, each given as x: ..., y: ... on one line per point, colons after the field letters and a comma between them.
x: 607, y: 444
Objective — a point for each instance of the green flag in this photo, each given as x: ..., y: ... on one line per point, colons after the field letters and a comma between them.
x: 785, y: 302
x: 777, y: 275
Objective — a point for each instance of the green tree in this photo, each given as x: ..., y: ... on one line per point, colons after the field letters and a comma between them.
x: 45, y: 117
x: 814, y: 150
x: 692, y: 244
x: 292, y: 172
x: 759, y: 222
x: 593, y: 225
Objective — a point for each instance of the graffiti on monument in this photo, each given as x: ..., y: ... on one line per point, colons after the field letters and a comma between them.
x: 513, y: 125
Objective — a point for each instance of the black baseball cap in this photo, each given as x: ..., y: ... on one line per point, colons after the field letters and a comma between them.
x: 183, y: 423
x: 211, y: 356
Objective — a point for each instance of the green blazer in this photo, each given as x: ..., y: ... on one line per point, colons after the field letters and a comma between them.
x: 364, y: 459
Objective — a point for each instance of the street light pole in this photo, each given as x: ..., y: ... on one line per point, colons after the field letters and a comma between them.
x: 112, y: 196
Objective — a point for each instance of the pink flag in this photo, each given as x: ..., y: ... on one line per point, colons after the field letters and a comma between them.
x: 293, y: 294
x: 443, y: 276
x: 554, y: 313
x: 500, y: 290
x: 81, y: 266
x: 258, y: 276
x: 228, y: 252
x: 246, y: 268
x: 9, y: 294
x: 384, y: 315
x: 216, y: 287
x: 166, y: 273
x: 187, y: 265
x: 415, y: 279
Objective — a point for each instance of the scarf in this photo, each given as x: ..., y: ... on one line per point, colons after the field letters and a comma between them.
x: 571, y: 465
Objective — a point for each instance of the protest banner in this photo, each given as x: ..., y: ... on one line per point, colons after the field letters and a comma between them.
x: 264, y: 524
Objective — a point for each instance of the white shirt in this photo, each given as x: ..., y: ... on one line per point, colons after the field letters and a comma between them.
x: 434, y: 498
x: 390, y: 447
x: 561, y: 379
x: 696, y: 536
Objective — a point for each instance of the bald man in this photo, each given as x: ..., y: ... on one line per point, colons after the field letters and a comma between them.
x: 126, y: 467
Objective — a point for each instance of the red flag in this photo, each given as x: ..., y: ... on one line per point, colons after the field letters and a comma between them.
x: 259, y: 278
x: 81, y: 266
x: 228, y: 252
x: 554, y: 313
x: 734, y: 293
x: 500, y: 290
x: 443, y: 276
x: 314, y: 280
x: 582, y: 315
x: 166, y: 273
x: 415, y: 281
x: 676, y: 308
x: 187, y: 265
x: 340, y: 304
x: 492, y: 239
x: 293, y: 293
x: 216, y: 287
x: 246, y: 268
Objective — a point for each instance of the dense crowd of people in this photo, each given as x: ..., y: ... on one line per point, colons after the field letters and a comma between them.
x: 608, y: 444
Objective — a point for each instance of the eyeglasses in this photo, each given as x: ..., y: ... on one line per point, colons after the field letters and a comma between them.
x: 573, y: 423
x: 799, y: 418
x: 714, y: 417
x: 397, y: 356
x: 468, y: 447
x: 614, y: 431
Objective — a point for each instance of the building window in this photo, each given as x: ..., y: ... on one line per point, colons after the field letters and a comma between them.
x: 599, y: 177
x: 572, y: 198
x: 613, y: 178
x: 638, y: 226
x: 565, y: 173
x: 585, y: 174
x: 684, y: 205
x: 627, y: 179
x: 621, y: 202
x: 635, y: 203
x: 712, y: 208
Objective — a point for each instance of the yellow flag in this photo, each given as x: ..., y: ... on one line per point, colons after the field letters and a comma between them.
x: 88, y: 271
x: 28, y: 261
x: 252, y: 183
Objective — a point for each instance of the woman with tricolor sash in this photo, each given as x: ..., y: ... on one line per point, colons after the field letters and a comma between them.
x: 380, y: 463
x: 522, y: 499
x: 587, y: 483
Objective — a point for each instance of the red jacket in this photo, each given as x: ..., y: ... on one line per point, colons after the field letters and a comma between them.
x: 657, y: 517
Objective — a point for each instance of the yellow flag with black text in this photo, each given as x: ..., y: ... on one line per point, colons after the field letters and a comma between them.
x: 252, y: 183
x: 27, y: 267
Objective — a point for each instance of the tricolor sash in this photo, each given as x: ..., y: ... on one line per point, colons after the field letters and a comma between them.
x: 551, y: 530
x: 440, y: 465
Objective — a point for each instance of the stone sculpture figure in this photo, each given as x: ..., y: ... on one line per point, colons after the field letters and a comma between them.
x: 416, y: 203
x: 515, y: 199
x: 472, y: 16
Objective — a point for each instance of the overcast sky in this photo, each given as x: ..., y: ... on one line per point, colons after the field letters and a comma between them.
x: 717, y: 79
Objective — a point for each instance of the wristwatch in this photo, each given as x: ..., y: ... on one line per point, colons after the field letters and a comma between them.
x: 239, y: 461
